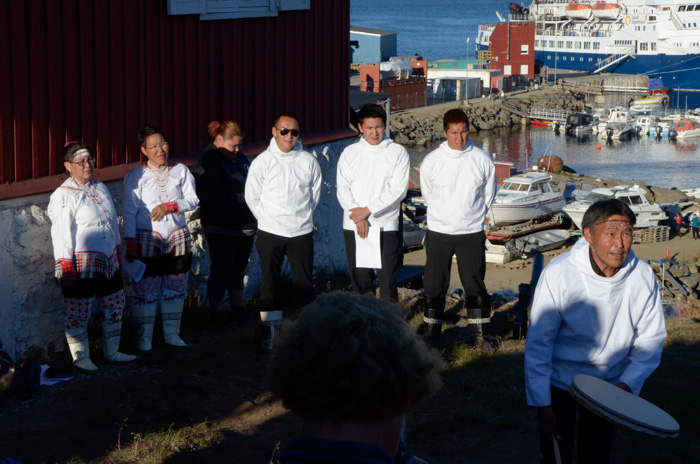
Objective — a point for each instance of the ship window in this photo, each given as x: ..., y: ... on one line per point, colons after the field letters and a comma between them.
x: 587, y: 45
x: 568, y: 44
x: 653, y: 46
x: 681, y: 8
x: 577, y: 45
x: 690, y: 8
x: 551, y: 43
x: 590, y: 60
x: 652, y: 18
x: 564, y: 58
x: 636, y: 200
x: 581, y: 59
x: 560, y: 43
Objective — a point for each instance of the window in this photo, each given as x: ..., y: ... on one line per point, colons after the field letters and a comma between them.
x: 564, y: 58
x: 577, y: 45
x: 524, y: 49
x: 524, y: 69
x: 596, y: 45
x: 587, y: 45
x: 551, y: 43
x: 590, y: 60
x: 231, y: 9
x: 681, y: 8
x: 581, y: 59
x: 560, y: 43
x: 568, y: 44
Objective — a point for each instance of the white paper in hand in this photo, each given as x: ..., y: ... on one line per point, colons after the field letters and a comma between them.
x: 367, y: 251
x: 134, y: 269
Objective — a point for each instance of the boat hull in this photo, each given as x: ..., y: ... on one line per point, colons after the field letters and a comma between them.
x: 506, y: 214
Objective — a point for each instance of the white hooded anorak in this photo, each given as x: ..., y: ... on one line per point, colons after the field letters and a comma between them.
x: 458, y: 186
x: 608, y: 327
x: 283, y: 189
x: 376, y: 177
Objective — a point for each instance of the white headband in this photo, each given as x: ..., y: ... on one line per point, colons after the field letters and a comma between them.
x: 82, y: 153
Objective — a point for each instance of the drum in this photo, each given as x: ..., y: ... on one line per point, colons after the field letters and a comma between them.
x: 622, y: 408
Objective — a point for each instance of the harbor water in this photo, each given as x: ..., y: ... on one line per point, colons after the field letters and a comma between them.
x: 661, y: 163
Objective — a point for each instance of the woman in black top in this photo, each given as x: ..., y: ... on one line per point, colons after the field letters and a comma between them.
x: 229, y: 226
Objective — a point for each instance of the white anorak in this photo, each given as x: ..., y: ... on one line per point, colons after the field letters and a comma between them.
x: 376, y: 177
x: 283, y: 189
x: 170, y: 235
x: 458, y: 187
x: 608, y: 327
x: 84, y: 230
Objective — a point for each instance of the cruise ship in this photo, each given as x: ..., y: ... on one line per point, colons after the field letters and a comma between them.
x: 657, y: 38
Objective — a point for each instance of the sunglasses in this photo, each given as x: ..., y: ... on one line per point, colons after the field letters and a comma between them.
x: 285, y: 131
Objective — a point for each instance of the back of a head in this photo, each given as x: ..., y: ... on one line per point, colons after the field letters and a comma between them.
x: 371, y: 110
x: 349, y: 356
x: 603, y: 209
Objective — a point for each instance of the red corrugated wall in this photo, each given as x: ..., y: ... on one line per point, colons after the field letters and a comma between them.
x: 99, y: 70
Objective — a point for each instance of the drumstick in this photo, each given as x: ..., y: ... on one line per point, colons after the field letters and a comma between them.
x: 557, y: 455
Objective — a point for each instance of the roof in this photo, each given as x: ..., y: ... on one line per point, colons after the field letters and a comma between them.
x: 370, y: 30
x: 528, y: 178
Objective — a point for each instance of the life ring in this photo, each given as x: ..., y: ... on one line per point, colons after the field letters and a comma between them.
x: 628, y: 20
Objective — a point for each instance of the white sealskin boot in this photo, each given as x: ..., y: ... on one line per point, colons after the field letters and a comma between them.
x: 171, y: 312
x: 80, y: 350
x: 144, y: 317
x: 111, y: 336
x: 271, y: 319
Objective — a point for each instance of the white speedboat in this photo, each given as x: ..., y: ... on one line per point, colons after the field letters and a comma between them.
x: 524, y: 197
x: 617, y: 126
x: 643, y: 124
x: 647, y: 214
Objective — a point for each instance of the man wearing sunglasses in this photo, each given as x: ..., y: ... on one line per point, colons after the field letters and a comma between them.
x: 282, y: 190
x: 596, y: 311
x: 372, y: 181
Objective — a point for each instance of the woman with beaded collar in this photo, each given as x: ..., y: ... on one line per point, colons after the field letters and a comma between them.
x: 86, y: 243
x: 156, y: 196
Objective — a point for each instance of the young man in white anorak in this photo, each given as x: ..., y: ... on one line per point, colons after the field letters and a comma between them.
x: 282, y: 190
x: 372, y: 182
x: 458, y: 182
x: 596, y: 311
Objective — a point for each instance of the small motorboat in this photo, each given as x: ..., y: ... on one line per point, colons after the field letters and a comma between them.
x: 660, y: 130
x: 618, y: 126
x: 651, y: 101
x: 580, y: 124
x: 644, y: 124
x: 685, y: 129
x: 524, y: 197
x: 647, y: 214
x: 542, y: 241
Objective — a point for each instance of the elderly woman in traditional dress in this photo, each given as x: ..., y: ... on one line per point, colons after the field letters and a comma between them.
x: 228, y: 223
x: 85, y: 236
x: 156, y: 196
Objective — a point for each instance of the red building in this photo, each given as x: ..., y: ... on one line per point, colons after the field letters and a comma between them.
x: 98, y: 70
x: 408, y: 91
x: 512, y: 47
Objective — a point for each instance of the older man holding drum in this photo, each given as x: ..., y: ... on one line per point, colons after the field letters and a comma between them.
x: 596, y: 311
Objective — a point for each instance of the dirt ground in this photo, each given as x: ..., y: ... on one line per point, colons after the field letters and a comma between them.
x: 222, y: 380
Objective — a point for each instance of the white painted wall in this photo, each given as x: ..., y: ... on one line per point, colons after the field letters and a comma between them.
x: 31, y: 304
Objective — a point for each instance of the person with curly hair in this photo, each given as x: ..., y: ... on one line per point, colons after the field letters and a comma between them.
x: 352, y: 368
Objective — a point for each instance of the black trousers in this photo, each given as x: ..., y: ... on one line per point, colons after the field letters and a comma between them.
x: 471, y: 262
x: 300, y: 254
x: 363, y: 278
x: 595, y: 435
x: 229, y: 258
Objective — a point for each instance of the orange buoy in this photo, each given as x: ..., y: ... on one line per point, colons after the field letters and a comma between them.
x: 597, y: 147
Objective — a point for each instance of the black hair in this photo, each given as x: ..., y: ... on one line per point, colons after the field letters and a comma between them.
x: 454, y: 116
x: 146, y: 132
x: 371, y: 110
x: 285, y: 114
x: 603, y: 209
